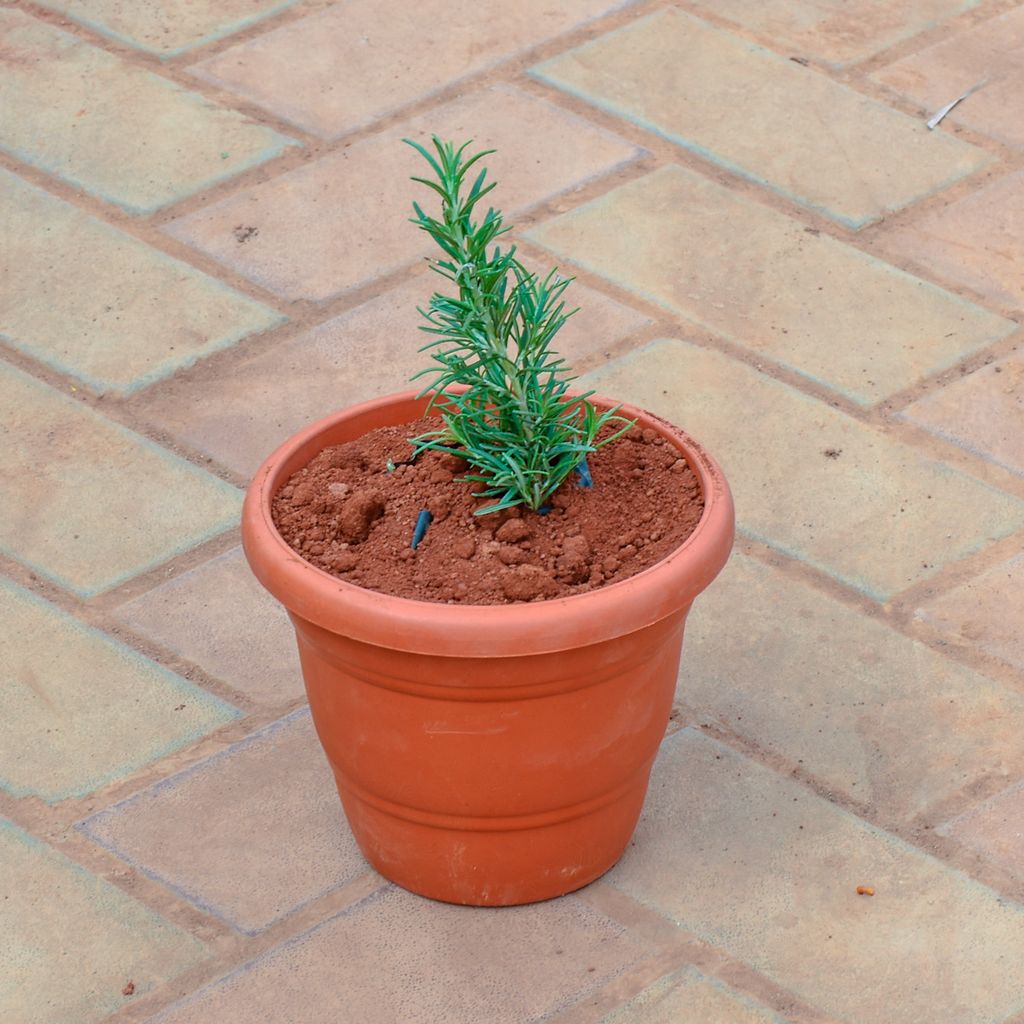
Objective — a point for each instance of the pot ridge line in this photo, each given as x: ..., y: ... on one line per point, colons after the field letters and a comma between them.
x: 495, y: 823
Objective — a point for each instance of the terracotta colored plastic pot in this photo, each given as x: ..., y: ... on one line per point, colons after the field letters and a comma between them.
x: 487, y: 755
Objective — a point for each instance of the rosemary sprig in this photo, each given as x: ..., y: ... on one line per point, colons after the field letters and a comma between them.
x: 513, y: 419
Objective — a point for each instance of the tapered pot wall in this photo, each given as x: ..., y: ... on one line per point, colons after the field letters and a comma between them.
x: 488, y: 755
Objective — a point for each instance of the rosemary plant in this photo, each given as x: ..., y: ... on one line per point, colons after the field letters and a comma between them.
x: 501, y: 390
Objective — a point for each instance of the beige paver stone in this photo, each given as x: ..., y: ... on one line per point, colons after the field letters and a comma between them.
x: 982, y: 412
x: 838, y: 31
x: 688, y: 997
x: 760, y: 279
x: 984, y: 613
x: 992, y: 55
x: 167, y: 27
x: 71, y: 941
x: 977, y: 241
x: 396, y: 957
x: 218, y: 616
x: 766, y: 870
x: 732, y: 102
x: 347, y: 66
x: 87, y: 502
x: 98, y: 304
x: 810, y: 479
x: 107, y: 126
x: 871, y: 714
x: 995, y: 830
x: 240, y: 418
x: 344, y: 220
x: 273, y: 835
x: 79, y: 710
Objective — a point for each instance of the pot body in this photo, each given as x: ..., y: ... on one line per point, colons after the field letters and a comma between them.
x: 487, y: 755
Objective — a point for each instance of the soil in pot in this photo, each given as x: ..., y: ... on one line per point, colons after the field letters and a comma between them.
x: 349, y: 514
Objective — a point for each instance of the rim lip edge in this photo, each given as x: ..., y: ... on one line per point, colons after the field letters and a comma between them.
x: 412, y: 625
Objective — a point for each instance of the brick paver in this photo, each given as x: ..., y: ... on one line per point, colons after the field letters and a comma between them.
x: 94, y: 303
x: 111, y: 128
x: 977, y: 241
x: 353, y: 63
x: 773, y: 251
x: 87, y: 502
x: 995, y: 830
x: 535, y: 956
x: 985, y: 612
x: 729, y: 101
x: 872, y: 715
x: 826, y: 310
x: 247, y: 642
x: 72, y: 942
x: 838, y: 31
x: 988, y: 55
x: 81, y: 710
x: 167, y: 27
x: 687, y: 997
x: 811, y: 480
x: 295, y: 234
x: 983, y: 412
x: 769, y: 871
x: 271, y: 792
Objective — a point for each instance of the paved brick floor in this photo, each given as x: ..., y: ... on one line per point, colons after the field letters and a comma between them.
x: 203, y: 246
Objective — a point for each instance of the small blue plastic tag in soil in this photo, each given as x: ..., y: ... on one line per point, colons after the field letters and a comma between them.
x: 583, y: 472
x: 423, y: 520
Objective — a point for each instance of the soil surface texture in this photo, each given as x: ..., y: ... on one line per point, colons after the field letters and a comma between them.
x: 348, y: 514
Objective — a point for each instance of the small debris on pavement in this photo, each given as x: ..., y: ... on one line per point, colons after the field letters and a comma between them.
x: 129, y: 989
x: 865, y: 890
x: 933, y: 121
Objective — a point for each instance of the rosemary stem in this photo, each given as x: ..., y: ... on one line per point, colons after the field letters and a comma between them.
x: 512, y: 419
